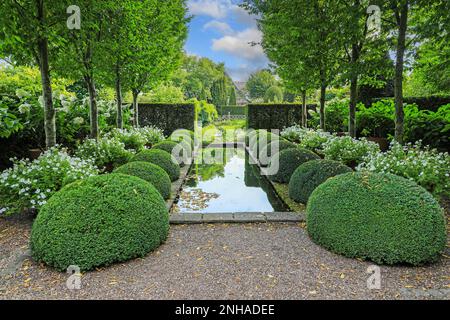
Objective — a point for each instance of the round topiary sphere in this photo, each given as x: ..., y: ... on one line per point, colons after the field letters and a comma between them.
x: 160, y: 158
x: 312, y: 174
x: 259, y: 139
x: 99, y: 221
x: 149, y: 172
x: 277, y: 146
x: 182, y: 156
x: 381, y: 217
x: 287, y: 161
x: 185, y: 135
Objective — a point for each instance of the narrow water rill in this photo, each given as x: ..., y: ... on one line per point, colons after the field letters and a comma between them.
x: 225, y: 181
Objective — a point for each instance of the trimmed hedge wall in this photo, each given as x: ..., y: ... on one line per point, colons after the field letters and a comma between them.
x: 432, y: 103
x: 168, y: 117
x: 274, y: 116
x: 99, y: 221
x: 380, y: 217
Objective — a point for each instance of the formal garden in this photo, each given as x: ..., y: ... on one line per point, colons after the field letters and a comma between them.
x: 132, y: 170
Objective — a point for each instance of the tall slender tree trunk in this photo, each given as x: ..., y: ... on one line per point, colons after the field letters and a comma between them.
x: 119, y: 98
x: 135, y: 108
x: 353, y: 102
x: 49, y: 110
x: 353, y: 92
x: 323, y: 91
x: 92, y: 106
x: 304, y: 110
x: 402, y: 21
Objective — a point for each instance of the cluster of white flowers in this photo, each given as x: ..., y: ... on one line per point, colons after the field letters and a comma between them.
x: 104, y: 151
x: 348, y: 150
x: 137, y: 138
x: 29, y: 184
x: 306, y: 138
x: 426, y: 167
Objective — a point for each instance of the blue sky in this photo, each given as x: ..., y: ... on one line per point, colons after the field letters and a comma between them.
x: 222, y: 31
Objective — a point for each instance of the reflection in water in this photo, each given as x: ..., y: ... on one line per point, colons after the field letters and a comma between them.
x: 228, y: 183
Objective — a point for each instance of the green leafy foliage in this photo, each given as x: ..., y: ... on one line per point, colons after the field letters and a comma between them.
x: 274, y: 95
x: 258, y: 84
x: 28, y: 185
x: 380, y: 217
x: 312, y: 174
x: 288, y: 161
x: 162, y: 159
x: 121, y: 218
x: 149, y: 172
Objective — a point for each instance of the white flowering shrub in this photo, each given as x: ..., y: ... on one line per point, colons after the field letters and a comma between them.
x: 152, y: 135
x: 28, y: 185
x: 428, y: 168
x: 348, y: 150
x: 306, y: 138
x: 137, y: 138
x: 106, y: 153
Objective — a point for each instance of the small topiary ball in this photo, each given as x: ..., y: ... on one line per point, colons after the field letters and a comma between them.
x: 182, y: 156
x: 287, y: 161
x: 99, y: 221
x: 160, y: 158
x: 312, y: 174
x: 381, y: 217
x: 259, y: 139
x: 149, y: 172
x: 277, y: 146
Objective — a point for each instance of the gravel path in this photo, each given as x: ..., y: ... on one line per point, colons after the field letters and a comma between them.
x: 251, y: 261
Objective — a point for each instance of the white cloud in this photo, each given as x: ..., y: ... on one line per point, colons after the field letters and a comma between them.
x: 223, y: 27
x: 217, y: 9
x: 242, y: 16
x: 240, y: 44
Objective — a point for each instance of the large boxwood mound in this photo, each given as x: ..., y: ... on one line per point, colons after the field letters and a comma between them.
x: 99, y: 221
x: 381, y: 217
x: 288, y: 161
x: 162, y: 159
x: 312, y: 174
x: 149, y: 172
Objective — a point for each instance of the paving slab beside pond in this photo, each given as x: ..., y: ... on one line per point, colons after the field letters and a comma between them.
x: 220, y: 261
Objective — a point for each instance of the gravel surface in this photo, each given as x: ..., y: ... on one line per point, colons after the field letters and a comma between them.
x: 245, y: 261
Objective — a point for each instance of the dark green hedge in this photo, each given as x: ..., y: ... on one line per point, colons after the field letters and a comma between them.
x: 162, y: 159
x: 99, y: 221
x: 168, y: 117
x: 431, y: 103
x: 381, y: 217
x: 288, y: 161
x: 274, y: 116
x: 149, y: 172
x: 312, y: 174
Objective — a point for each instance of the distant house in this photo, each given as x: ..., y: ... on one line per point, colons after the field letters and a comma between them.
x: 242, y: 97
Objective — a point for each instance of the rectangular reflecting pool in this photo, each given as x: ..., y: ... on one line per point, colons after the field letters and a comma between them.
x: 224, y: 182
